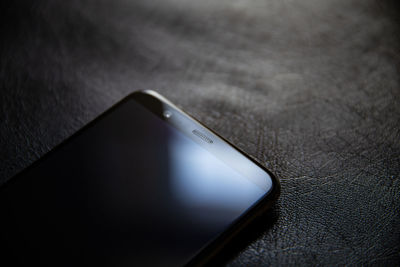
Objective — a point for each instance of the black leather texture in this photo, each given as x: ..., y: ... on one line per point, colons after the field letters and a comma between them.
x: 310, y: 89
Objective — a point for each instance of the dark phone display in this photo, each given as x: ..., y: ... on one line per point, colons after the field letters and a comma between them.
x: 130, y: 190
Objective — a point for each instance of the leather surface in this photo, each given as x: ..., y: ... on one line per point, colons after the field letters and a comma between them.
x: 308, y: 88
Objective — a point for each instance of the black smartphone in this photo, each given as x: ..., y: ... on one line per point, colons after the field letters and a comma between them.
x: 144, y: 184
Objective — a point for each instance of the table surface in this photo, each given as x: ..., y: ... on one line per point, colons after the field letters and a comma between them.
x: 309, y: 88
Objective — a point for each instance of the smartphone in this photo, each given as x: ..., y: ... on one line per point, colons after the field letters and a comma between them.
x: 144, y: 184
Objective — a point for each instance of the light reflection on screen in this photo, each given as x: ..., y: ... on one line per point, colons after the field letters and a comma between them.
x: 201, y: 180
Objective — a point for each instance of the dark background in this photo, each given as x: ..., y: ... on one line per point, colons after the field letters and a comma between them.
x: 309, y: 88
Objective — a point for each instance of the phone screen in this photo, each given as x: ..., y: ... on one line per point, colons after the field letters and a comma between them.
x: 131, y: 189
